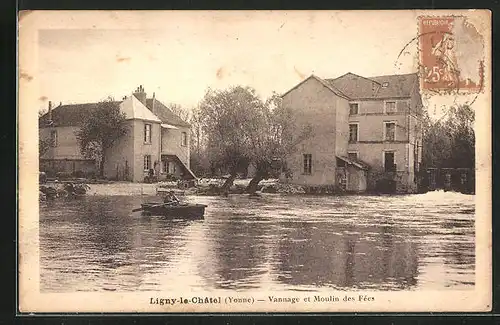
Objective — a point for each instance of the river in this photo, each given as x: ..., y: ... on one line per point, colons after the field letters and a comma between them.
x: 272, y: 242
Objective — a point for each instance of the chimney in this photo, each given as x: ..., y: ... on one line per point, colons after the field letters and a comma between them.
x: 140, y: 95
x: 50, y: 110
x: 153, y: 105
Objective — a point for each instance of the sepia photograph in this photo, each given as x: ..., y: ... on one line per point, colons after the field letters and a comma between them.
x: 254, y: 161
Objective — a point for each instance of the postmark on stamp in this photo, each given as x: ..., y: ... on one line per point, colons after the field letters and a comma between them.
x: 451, y: 54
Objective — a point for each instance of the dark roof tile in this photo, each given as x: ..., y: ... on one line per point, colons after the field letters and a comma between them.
x: 397, y: 85
x: 165, y: 114
x: 66, y: 115
x: 72, y: 114
x: 355, y: 86
x: 390, y: 86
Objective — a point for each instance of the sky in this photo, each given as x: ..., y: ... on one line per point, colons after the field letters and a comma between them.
x: 84, y: 57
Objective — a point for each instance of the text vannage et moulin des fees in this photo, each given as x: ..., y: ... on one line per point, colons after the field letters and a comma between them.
x: 251, y: 300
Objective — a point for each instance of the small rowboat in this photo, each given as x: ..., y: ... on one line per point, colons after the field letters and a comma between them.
x: 178, y: 211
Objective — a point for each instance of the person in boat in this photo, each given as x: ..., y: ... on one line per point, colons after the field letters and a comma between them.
x: 170, y: 198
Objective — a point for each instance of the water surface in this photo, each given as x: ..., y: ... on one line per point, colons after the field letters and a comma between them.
x: 272, y: 242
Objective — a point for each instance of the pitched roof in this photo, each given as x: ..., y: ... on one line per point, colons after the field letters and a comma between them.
x: 66, y: 115
x: 134, y: 109
x: 355, y: 86
x: 355, y: 162
x: 165, y: 114
x: 328, y: 85
x: 397, y: 85
x: 72, y: 114
x: 390, y: 86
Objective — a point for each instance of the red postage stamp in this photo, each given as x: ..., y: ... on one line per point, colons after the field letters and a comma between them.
x: 451, y: 54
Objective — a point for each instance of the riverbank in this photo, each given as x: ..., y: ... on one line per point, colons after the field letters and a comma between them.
x: 137, y: 189
x: 205, y: 187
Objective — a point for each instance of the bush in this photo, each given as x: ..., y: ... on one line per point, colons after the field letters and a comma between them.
x: 151, y: 179
x: 64, y: 175
x: 387, y: 186
x: 42, y: 178
x: 50, y: 174
x: 272, y: 188
x: 78, y: 174
x: 172, y: 178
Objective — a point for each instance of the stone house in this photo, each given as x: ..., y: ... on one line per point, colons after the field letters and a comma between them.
x: 156, y: 139
x: 367, y: 132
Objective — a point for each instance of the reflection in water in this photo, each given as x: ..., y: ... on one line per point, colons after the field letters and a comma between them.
x: 238, y: 250
x: 355, y: 257
x: 270, y: 243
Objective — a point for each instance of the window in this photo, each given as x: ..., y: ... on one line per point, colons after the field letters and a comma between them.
x: 147, y: 133
x: 389, y: 164
x: 53, y: 138
x: 390, y: 107
x: 168, y: 167
x: 353, y: 155
x: 463, y: 178
x: 389, y: 131
x: 147, y: 162
x: 307, y: 164
x: 353, y: 108
x: 385, y: 85
x: 353, y: 133
x: 184, y: 139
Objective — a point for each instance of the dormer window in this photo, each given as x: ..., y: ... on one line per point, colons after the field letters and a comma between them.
x: 385, y: 85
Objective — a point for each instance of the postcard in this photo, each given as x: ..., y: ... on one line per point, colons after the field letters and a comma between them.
x: 254, y: 161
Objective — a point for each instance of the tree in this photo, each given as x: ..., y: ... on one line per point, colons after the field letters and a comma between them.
x: 278, y: 135
x: 437, y: 145
x: 230, y: 121
x: 460, y: 128
x: 180, y: 111
x: 450, y: 141
x: 241, y: 129
x: 101, y: 126
x: 199, y: 161
x: 43, y: 146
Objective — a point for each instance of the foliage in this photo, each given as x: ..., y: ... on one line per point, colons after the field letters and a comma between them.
x: 180, y: 111
x: 450, y: 141
x: 278, y: 137
x: 100, y: 128
x: 230, y: 121
x: 199, y: 161
x: 239, y: 128
x: 43, y: 146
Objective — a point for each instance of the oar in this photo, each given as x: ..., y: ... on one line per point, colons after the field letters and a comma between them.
x: 151, y: 206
